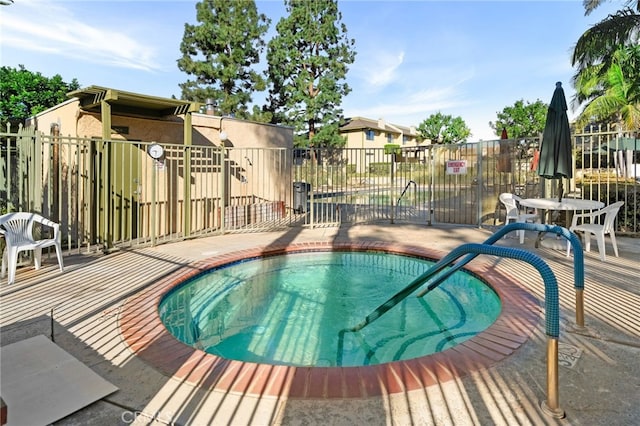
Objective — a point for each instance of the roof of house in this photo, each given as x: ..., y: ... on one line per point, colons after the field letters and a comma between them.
x: 361, y: 123
x: 128, y: 102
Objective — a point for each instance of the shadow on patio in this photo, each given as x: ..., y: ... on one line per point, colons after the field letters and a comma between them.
x: 598, y: 377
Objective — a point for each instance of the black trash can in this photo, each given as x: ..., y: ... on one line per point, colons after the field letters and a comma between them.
x: 300, y: 195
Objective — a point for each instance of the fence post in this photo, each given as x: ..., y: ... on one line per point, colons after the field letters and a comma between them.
x: 223, y: 180
x: 188, y: 137
x: 107, y: 152
x: 5, y: 161
x: 36, y: 193
x: 479, y: 203
x: 153, y: 226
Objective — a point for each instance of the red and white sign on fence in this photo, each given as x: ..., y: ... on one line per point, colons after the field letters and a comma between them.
x: 457, y: 167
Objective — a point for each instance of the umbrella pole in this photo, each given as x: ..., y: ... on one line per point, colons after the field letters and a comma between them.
x: 560, y: 190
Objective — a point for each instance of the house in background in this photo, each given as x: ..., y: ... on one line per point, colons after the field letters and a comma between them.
x: 368, y: 134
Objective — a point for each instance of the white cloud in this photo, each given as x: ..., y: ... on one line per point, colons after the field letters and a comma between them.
x: 381, y: 68
x: 409, y: 108
x: 45, y: 27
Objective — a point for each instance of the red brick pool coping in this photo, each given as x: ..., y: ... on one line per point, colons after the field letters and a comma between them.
x: 148, y: 338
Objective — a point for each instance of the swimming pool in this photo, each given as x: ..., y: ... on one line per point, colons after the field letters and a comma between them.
x: 292, y: 310
x: 150, y: 341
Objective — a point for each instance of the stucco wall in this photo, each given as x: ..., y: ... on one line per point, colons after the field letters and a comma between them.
x: 64, y: 115
x: 240, y: 133
x: 256, y: 163
x: 206, y: 128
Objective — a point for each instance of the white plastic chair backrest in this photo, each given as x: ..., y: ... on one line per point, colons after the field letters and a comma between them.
x: 610, y: 213
x: 510, y: 201
x: 18, y: 227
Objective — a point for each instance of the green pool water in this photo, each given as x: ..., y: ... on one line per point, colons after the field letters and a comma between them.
x: 291, y: 309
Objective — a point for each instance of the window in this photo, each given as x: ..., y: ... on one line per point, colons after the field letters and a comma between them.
x: 389, y: 137
x: 370, y: 134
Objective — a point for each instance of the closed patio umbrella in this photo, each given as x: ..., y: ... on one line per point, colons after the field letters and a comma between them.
x: 555, y: 148
x: 504, y: 157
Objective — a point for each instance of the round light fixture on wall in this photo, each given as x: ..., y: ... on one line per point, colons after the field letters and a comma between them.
x: 156, y: 151
x: 223, y: 136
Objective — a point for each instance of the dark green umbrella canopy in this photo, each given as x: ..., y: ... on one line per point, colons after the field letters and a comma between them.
x: 555, y: 148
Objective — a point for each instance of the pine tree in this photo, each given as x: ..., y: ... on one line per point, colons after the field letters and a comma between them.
x: 307, y: 65
x: 220, y: 52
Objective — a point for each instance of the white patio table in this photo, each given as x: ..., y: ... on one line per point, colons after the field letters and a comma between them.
x: 546, y: 205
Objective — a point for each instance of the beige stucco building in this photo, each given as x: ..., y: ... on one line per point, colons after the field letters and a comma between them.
x: 368, y: 133
x: 210, y: 169
x: 100, y: 112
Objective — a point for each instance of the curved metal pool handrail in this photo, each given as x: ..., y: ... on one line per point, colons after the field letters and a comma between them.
x: 578, y: 258
x: 515, y: 253
x: 405, y: 190
x: 551, y: 298
x: 578, y: 267
x: 444, y: 262
x: 551, y: 405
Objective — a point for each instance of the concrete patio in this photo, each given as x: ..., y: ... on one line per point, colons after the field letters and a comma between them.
x: 599, y: 374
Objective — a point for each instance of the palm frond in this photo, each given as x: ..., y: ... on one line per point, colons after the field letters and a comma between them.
x: 599, y: 42
x: 617, y: 85
x: 591, y: 5
x: 630, y: 115
x: 616, y: 99
x: 587, y: 83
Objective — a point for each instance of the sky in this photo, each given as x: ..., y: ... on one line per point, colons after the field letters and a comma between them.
x: 467, y: 59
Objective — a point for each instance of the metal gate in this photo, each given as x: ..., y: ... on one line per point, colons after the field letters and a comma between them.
x: 363, y: 185
x: 110, y: 194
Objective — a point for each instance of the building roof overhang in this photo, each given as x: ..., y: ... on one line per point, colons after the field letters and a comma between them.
x: 360, y: 123
x: 129, y: 103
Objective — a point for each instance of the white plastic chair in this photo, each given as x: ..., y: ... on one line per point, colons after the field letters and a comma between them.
x: 17, y: 229
x: 514, y: 213
x: 598, y: 229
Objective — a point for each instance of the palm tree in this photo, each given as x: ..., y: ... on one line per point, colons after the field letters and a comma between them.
x: 599, y: 42
x: 607, y: 58
x: 614, y: 95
